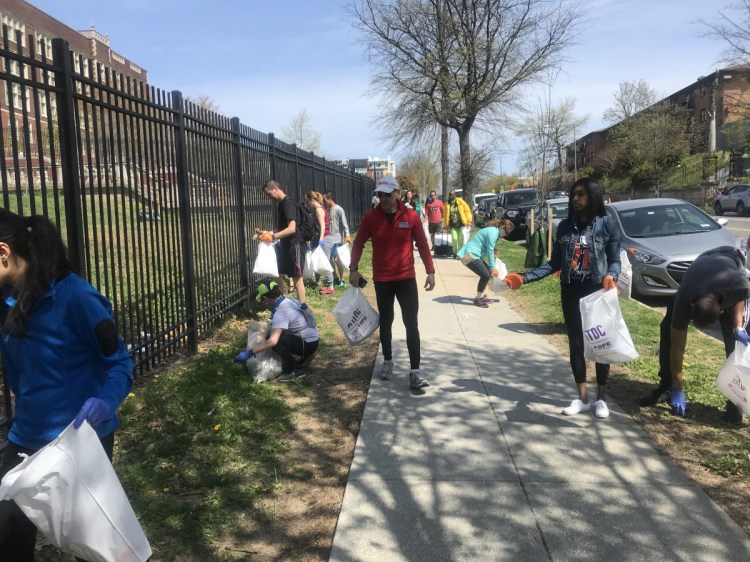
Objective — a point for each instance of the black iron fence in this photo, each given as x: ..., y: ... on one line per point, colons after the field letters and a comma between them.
x: 157, y: 197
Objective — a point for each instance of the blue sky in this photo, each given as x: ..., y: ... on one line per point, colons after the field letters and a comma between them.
x: 264, y: 61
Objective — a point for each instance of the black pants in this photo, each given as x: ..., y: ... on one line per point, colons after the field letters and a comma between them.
x: 408, y: 299
x: 17, y: 532
x: 290, y: 343
x: 570, y: 295
x: 483, y: 270
x: 726, y: 322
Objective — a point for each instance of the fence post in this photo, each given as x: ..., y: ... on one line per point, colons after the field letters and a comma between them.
x: 300, y: 196
x: 186, y: 231
x: 237, y: 154
x: 70, y: 177
x: 272, y: 153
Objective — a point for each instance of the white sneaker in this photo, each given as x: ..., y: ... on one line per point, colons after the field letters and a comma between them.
x: 576, y: 407
x: 600, y: 409
x: 387, y: 371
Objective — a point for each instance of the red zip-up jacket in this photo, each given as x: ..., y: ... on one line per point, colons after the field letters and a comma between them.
x: 392, y: 244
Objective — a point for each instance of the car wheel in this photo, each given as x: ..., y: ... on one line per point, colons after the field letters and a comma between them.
x: 717, y: 209
x: 740, y: 209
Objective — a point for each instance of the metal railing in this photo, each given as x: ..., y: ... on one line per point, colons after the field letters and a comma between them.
x: 156, y: 196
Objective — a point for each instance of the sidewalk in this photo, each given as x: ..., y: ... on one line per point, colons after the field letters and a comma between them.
x: 482, y: 466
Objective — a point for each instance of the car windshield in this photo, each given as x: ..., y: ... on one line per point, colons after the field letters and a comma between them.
x: 559, y: 210
x: 513, y: 199
x: 481, y: 198
x: 662, y: 220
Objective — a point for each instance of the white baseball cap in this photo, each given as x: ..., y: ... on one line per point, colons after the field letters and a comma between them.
x: 386, y: 184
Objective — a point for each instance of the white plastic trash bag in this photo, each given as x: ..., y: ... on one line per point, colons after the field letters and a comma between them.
x: 466, y: 231
x: 267, y: 364
x: 443, y: 239
x: 625, y: 279
x: 308, y: 272
x: 734, y: 378
x: 266, y: 264
x: 70, y: 491
x: 356, y: 316
x: 320, y: 262
x: 605, y: 336
x: 345, y: 254
x: 498, y: 283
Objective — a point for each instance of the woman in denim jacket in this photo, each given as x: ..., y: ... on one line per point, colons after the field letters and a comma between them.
x: 587, y: 255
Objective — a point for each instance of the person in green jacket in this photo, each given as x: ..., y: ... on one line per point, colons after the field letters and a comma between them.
x: 482, y: 245
x: 457, y: 215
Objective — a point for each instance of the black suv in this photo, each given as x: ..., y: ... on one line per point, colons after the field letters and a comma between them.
x: 514, y: 205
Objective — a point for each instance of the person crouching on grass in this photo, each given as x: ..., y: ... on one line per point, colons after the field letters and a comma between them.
x: 482, y: 245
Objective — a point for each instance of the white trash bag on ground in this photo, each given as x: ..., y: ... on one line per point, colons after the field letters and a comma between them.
x: 734, y: 378
x: 70, y: 491
x: 267, y: 364
x: 498, y: 283
x: 606, y: 338
x: 266, y: 263
x: 356, y: 316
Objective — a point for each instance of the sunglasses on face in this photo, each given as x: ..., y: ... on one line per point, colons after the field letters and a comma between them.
x: 391, y: 194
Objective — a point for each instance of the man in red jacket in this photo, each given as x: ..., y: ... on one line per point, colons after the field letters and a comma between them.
x: 394, y: 229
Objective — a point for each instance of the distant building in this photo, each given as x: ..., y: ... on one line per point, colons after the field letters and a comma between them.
x: 374, y: 168
x: 719, y: 101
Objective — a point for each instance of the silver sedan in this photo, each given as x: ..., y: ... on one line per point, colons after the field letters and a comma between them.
x: 662, y: 237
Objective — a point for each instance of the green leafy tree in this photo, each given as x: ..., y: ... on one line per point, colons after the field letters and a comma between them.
x: 650, y: 142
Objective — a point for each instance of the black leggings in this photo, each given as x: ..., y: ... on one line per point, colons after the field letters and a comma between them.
x: 292, y: 343
x: 570, y: 295
x: 17, y: 532
x: 483, y: 270
x: 408, y: 299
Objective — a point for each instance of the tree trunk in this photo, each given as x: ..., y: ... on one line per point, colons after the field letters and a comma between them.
x: 444, y: 160
x: 467, y: 174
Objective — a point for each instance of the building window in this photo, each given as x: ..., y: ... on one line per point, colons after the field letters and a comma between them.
x: 704, y: 115
x: 43, y: 46
x: 691, y: 124
x: 13, y: 26
x: 704, y: 90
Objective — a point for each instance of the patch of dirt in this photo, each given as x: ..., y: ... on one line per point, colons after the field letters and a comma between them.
x: 684, y: 441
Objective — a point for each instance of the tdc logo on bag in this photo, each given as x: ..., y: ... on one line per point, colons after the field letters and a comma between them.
x: 739, y: 389
x: 596, y: 333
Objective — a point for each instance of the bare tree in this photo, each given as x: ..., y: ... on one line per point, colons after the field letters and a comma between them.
x: 630, y: 98
x: 733, y: 30
x: 546, y: 133
x: 424, y: 167
x: 300, y: 131
x: 466, y: 59
x: 204, y: 101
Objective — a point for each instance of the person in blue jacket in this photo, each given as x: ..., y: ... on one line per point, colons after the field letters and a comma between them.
x: 62, y: 356
x: 587, y: 255
x: 482, y: 245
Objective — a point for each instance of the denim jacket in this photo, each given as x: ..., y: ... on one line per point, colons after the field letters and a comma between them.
x: 604, y: 259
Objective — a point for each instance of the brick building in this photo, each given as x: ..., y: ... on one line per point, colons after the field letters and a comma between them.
x: 718, y: 102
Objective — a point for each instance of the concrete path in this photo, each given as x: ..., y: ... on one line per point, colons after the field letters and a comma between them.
x: 482, y: 466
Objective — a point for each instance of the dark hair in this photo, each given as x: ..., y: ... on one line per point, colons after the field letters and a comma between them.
x: 329, y: 195
x: 36, y: 241
x: 705, y: 310
x: 596, y: 197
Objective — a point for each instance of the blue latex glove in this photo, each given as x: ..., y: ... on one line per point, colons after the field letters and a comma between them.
x: 741, y: 336
x: 95, y: 410
x: 678, y: 402
x: 314, y: 244
x: 243, y: 356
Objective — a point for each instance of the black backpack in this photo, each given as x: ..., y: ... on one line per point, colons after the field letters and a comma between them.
x: 308, y: 226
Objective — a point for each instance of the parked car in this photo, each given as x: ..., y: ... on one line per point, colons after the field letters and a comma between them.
x: 662, y: 237
x: 557, y: 194
x: 484, y: 211
x: 559, y: 209
x: 735, y: 199
x: 514, y: 205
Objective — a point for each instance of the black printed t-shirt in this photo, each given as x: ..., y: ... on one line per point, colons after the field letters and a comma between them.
x: 286, y: 211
